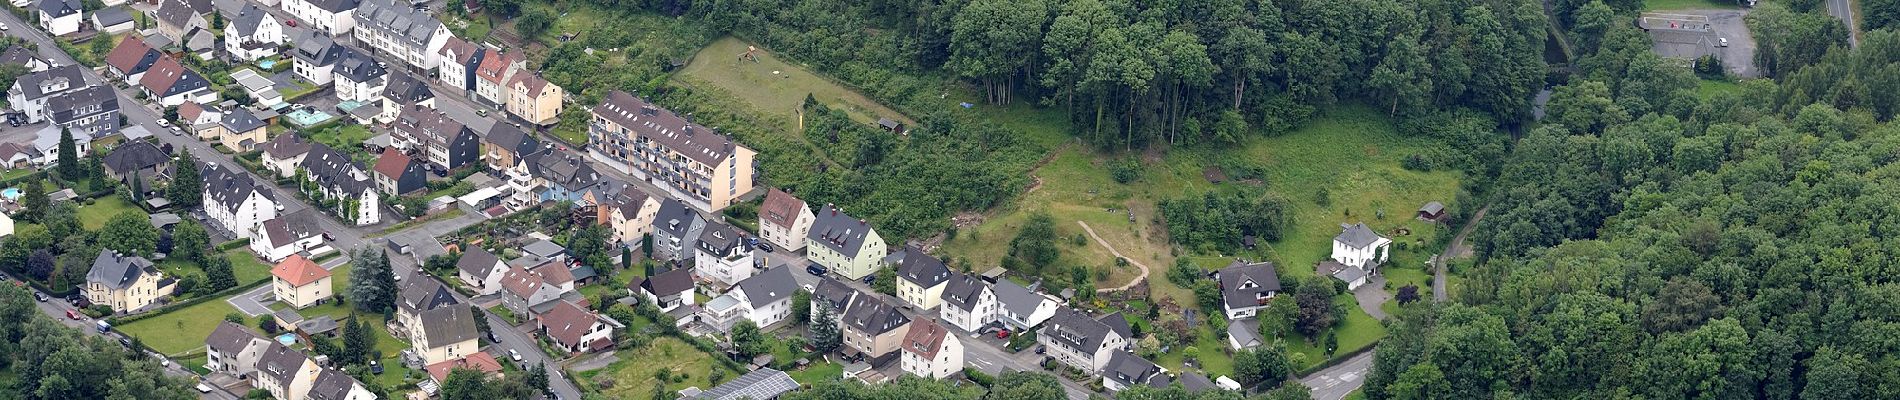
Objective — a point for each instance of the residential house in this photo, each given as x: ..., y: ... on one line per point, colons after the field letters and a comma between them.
x: 314, y: 59
x: 1196, y: 383
x: 403, y: 93
x: 61, y: 17
x: 30, y: 92
x: 422, y: 296
x: 440, y: 140
x: 832, y: 296
x: 931, y: 351
x: 873, y: 329
x: 722, y: 256
x: 545, y: 250
x: 201, y: 42
x: 784, y: 220
x: 93, y: 110
x: 398, y: 174
x: 846, y: 244
x: 576, y: 329
x: 283, y: 154
x: 171, y: 84
x: 358, y: 77
x: 481, y: 362
x: 921, y: 278
x: 564, y: 176
x: 137, y: 160
x: 534, y: 99
x: 505, y: 145
x: 460, y: 58
x: 288, y: 234
x: 332, y: 17
x: 493, y: 75
x: 529, y: 291
x: 252, y: 34
x: 676, y: 230
x: 300, y: 283
x: 112, y: 20
x: 1075, y: 339
x: 1245, y: 288
x: 239, y: 129
x: 18, y: 156
x: 285, y: 372
x: 233, y: 201
x: 765, y: 299
x: 337, y: 177
x: 442, y: 333
x: 693, y: 162
x: 176, y: 18
x: 1361, y: 251
x: 234, y: 350
x: 1022, y: 308
x: 1125, y: 371
x: 130, y: 59
x: 967, y: 303
x: 480, y: 270
x: 760, y: 384
x: 333, y: 384
x: 22, y: 56
x: 46, y: 144
x: 124, y: 282
x: 400, y: 30
x: 631, y: 217
x: 194, y: 116
x: 668, y: 290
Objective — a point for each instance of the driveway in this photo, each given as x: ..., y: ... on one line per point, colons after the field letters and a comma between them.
x: 254, y: 302
x: 1372, y: 295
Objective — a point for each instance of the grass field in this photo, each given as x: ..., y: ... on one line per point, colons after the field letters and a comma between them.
x: 1709, y: 88
x: 633, y: 373
x: 94, y: 216
x: 182, y: 330
x: 775, y: 86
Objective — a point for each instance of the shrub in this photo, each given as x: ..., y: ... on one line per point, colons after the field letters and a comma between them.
x: 1125, y: 170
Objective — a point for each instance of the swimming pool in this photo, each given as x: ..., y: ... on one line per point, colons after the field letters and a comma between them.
x: 287, y: 339
x: 10, y: 193
x: 266, y: 64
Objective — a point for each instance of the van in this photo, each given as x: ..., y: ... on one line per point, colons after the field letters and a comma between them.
x: 104, y: 326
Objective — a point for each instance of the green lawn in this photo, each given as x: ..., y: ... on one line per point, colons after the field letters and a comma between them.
x: 1709, y: 88
x: 1210, y: 345
x: 182, y: 330
x: 16, y: 173
x: 393, y: 372
x: 346, y: 136
x: 1659, y: 5
x: 570, y: 135
x: 247, y: 266
x: 774, y: 86
x: 633, y: 373
x: 818, y: 372
x: 1358, y: 331
x: 94, y: 216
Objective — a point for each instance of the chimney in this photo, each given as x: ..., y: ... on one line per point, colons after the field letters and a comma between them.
x: 861, y: 222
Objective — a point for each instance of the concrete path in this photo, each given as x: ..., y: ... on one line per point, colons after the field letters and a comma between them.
x: 1457, y: 249
x: 1111, y: 250
x: 253, y: 302
x: 1372, y: 295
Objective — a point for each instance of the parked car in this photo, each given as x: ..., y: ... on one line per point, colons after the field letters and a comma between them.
x: 816, y: 269
x: 1002, y: 334
x: 74, y: 315
x: 767, y: 247
x: 3, y: 27
x: 40, y: 297
x: 868, y: 279
x: 514, y: 355
x: 375, y: 367
x: 290, y: 22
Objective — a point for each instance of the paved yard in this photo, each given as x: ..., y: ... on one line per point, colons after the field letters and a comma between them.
x: 253, y: 302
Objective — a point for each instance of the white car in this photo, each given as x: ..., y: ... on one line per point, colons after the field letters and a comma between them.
x: 1721, y: 42
x: 3, y: 27
x: 164, y: 123
x: 514, y: 355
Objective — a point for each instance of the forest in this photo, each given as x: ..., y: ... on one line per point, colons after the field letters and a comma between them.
x: 1648, y: 242
x: 41, y: 359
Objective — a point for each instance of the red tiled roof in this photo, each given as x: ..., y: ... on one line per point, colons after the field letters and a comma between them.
x: 163, y: 74
x: 566, y: 323
x: 392, y: 164
x: 126, y: 56
x: 780, y: 208
x: 924, y: 338
x: 534, y: 83
x: 495, y: 67
x: 462, y: 49
x: 190, y: 111
x: 480, y: 361
x: 520, y: 282
x: 299, y: 271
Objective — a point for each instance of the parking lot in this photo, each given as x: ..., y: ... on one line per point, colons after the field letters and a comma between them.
x: 1724, y: 26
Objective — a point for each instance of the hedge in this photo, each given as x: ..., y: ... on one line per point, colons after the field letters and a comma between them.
x: 36, y: 175
x: 234, y: 243
x: 1337, y: 359
x: 169, y: 308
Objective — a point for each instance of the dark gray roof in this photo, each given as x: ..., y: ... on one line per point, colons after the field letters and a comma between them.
x: 835, y: 293
x: 919, y: 268
x: 544, y: 248
x: 1246, y: 332
x: 60, y: 8
x: 177, y: 13
x: 511, y: 138
x: 240, y: 120
x: 1131, y: 371
x: 1196, y: 383
x: 565, y: 169
x: 407, y: 89
x: 1117, y: 323
x: 228, y: 187
x: 1073, y: 329
x: 770, y: 286
x: 135, y: 156
x: 280, y: 363
x: 1016, y: 298
x: 335, y: 6
x: 667, y: 283
x: 760, y: 384
x: 38, y: 85
x: 230, y: 338
x: 358, y: 67
x: 964, y: 290
x: 73, y: 105
x: 331, y: 385
x: 1356, y: 235
x: 397, y: 20
x: 662, y: 126
x: 448, y: 325
x: 286, y: 145
x: 839, y: 231
x: 116, y: 270
x: 334, y: 170
x: 290, y: 227
x: 18, y: 55
x: 477, y: 262
x: 318, y: 50
x: 248, y: 19
x: 873, y: 316
x: 719, y: 238
x: 1260, y: 276
x: 110, y: 16
x: 317, y: 325
x: 426, y: 295
x: 676, y: 219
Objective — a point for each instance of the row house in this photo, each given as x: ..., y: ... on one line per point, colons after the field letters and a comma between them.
x: 505, y: 144
x: 400, y: 30
x: 845, y: 244
x: 358, y: 77
x: 93, y: 111
x: 235, y: 203
x: 278, y: 238
x: 693, y: 162
x: 439, y: 327
x: 129, y: 60
x: 404, y: 92
x: 630, y: 216
x: 283, y: 371
x: 332, y: 17
x: 534, y: 99
x: 398, y: 174
x: 493, y: 75
x: 784, y: 220
x: 460, y: 59
x: 676, y: 230
x: 30, y: 93
x: 531, y: 290
x: 314, y: 59
x: 435, y: 137
x: 335, y: 176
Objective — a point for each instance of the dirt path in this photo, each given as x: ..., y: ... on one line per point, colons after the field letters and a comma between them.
x: 1456, y: 249
x: 1117, y: 253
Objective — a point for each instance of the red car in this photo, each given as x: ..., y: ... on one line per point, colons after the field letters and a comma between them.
x: 72, y: 314
x: 291, y: 22
x: 1002, y: 334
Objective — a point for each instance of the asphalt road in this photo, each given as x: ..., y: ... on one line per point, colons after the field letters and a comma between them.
x: 1844, y: 9
x: 1335, y: 382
